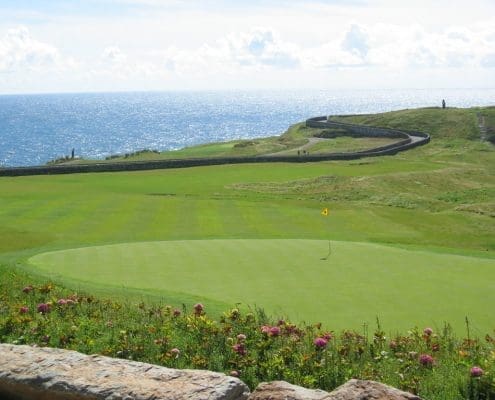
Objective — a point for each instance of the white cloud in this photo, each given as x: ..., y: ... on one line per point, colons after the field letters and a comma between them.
x: 19, y: 51
x: 114, y: 55
x: 262, y: 46
x: 259, y: 48
x: 380, y: 45
x: 130, y: 56
x: 356, y: 41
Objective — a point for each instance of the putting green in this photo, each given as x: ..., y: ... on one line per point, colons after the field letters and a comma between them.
x: 357, y: 283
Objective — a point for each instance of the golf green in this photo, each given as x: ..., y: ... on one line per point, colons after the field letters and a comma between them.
x: 357, y: 283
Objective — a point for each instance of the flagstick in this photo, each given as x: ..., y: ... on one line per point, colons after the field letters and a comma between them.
x: 325, y: 213
x: 329, y: 250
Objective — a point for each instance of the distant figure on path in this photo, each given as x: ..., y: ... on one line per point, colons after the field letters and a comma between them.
x: 72, y: 155
x: 443, y: 103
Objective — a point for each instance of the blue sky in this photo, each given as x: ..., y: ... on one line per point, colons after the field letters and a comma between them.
x: 117, y: 45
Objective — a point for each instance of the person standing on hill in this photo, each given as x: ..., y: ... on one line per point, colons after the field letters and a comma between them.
x: 443, y: 103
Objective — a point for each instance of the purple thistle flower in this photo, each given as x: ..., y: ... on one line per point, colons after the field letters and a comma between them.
x: 176, y: 313
x: 43, y: 308
x: 320, y: 342
x: 426, y: 360
x: 274, y: 331
x: 239, y: 349
x: 62, y: 302
x: 265, y: 329
x: 476, y: 372
x: 23, y: 310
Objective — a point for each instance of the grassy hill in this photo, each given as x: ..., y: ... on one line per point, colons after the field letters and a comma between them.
x: 437, y: 198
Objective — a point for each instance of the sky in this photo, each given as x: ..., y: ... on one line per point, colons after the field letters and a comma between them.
x: 53, y: 46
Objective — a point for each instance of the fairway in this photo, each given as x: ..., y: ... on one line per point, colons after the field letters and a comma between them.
x: 289, y: 277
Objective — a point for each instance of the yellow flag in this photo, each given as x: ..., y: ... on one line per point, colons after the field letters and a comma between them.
x: 324, y: 212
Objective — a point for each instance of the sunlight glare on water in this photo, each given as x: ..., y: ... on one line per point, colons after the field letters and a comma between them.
x: 37, y: 128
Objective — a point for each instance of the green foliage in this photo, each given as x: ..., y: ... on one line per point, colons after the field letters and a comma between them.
x: 248, y: 344
x: 438, y: 197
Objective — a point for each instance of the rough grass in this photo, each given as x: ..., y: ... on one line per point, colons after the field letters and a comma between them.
x: 434, y: 363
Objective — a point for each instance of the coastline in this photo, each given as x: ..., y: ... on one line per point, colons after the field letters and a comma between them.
x: 408, y: 140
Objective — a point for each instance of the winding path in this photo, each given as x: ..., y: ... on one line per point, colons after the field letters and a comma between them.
x: 311, y: 141
x: 407, y: 140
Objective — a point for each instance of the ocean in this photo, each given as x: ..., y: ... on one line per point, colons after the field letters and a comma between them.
x: 35, y: 129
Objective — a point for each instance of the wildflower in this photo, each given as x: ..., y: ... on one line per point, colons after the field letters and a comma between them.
x: 274, y: 331
x: 175, y: 352
x: 198, y: 308
x: 23, y: 310
x: 235, y: 374
x: 280, y: 322
x: 435, y: 347
x: 28, y: 289
x: 426, y: 360
x: 43, y: 308
x: 70, y: 302
x: 327, y: 336
x: 292, y: 329
x: 393, y: 345
x: 240, y: 349
x: 241, y: 337
x: 428, y: 331
x: 62, y: 302
x: 320, y: 342
x: 265, y: 329
x: 476, y: 372
x: 176, y: 313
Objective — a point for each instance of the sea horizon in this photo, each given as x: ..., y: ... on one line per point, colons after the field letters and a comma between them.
x: 39, y: 127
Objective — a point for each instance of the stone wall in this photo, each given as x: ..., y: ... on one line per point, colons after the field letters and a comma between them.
x: 34, y: 373
x: 31, y: 373
x: 317, y: 122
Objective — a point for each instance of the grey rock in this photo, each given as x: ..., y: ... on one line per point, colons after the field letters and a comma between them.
x: 52, y: 374
x: 369, y: 390
x: 280, y: 390
x: 352, y: 390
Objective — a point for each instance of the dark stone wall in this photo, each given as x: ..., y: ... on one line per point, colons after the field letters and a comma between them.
x: 317, y: 122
